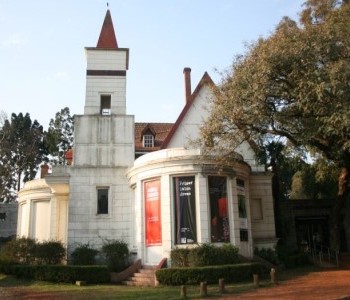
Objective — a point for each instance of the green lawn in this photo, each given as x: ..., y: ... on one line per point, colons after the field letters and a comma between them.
x: 10, y: 285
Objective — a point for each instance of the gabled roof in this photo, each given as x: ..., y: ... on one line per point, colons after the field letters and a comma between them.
x: 159, y: 130
x: 206, y: 80
x: 107, y: 37
x: 148, y: 129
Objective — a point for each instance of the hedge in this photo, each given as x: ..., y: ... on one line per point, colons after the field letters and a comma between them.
x: 209, y: 274
x: 58, y: 273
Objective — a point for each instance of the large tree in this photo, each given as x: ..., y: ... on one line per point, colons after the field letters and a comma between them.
x: 59, y: 137
x: 21, y: 152
x: 293, y: 84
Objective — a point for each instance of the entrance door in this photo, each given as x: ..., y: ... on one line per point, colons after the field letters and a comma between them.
x: 312, y: 232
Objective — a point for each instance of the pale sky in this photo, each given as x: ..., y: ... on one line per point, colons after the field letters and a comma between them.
x: 42, y: 57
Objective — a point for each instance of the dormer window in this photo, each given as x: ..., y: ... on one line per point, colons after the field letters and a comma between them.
x: 105, y: 108
x: 148, y: 141
x: 147, y: 135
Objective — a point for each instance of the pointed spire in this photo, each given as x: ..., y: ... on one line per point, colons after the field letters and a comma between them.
x: 107, y: 37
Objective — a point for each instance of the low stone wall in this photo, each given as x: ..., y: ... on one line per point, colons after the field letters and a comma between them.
x: 119, y: 277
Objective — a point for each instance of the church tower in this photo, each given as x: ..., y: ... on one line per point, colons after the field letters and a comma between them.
x: 100, y: 203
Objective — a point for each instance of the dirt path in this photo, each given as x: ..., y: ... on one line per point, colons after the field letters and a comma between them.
x: 328, y: 284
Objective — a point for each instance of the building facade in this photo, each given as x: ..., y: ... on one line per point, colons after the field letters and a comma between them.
x: 146, y: 183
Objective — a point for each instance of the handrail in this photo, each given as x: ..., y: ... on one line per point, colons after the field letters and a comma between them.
x: 324, y: 253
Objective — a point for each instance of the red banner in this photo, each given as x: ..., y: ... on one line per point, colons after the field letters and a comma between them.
x: 153, y: 213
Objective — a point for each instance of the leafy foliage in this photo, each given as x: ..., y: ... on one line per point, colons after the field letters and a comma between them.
x: 59, y: 137
x: 292, y: 85
x: 21, y: 152
x: 204, y: 255
x: 49, y: 252
x: 28, y: 251
x: 116, y: 253
x: 210, y: 274
x: 84, y: 255
x: 20, y: 250
x: 268, y: 254
x: 59, y: 273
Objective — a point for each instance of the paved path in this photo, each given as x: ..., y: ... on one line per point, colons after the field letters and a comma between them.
x: 326, y: 284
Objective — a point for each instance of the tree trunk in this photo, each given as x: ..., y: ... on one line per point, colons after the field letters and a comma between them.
x: 19, y: 181
x: 336, y: 218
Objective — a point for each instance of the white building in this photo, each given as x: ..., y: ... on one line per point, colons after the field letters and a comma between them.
x: 170, y: 196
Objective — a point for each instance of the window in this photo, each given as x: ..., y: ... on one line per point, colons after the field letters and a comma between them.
x: 105, y: 105
x: 102, y: 201
x: 220, y: 229
x: 185, y: 210
x: 148, y: 141
x: 242, y: 210
x: 243, y: 235
x: 2, y: 216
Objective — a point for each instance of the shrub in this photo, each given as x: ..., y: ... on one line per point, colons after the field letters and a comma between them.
x: 179, y: 257
x: 20, y: 250
x: 116, y: 254
x: 268, y: 254
x: 57, y: 273
x: 84, y: 255
x: 49, y: 252
x: 290, y: 257
x: 210, y: 274
x: 204, y: 255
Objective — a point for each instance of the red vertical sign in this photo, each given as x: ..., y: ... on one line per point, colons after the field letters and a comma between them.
x: 152, y: 213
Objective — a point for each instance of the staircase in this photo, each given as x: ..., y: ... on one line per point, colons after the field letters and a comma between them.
x: 144, y: 277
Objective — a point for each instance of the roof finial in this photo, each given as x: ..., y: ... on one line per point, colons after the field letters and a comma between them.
x: 107, y: 4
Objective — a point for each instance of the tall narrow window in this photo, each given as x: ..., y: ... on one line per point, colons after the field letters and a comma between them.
x: 220, y: 229
x: 185, y: 210
x: 102, y: 201
x: 105, y: 105
x: 242, y: 211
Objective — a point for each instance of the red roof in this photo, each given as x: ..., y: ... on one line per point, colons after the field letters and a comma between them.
x: 107, y: 37
x: 159, y: 130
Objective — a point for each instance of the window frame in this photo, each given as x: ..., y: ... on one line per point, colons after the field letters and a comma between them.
x: 98, y: 210
x: 105, y: 104
x: 148, y: 141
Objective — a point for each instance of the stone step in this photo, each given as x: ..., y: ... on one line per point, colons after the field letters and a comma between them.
x: 145, y: 277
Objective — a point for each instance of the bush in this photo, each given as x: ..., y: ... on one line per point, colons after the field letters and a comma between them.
x: 116, y: 254
x: 179, y: 257
x: 57, y: 273
x: 268, y: 254
x: 84, y: 255
x: 20, y: 250
x: 49, y: 252
x: 28, y: 251
x: 204, y: 255
x: 290, y: 257
x: 210, y: 274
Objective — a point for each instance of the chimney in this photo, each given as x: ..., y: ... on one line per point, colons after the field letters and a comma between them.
x: 187, y: 77
x: 44, y: 170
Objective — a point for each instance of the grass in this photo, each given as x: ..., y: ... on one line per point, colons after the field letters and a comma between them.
x: 23, y: 287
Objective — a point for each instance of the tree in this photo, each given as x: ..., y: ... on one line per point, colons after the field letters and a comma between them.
x: 59, y: 137
x: 21, y: 152
x: 6, y: 180
x: 294, y: 85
